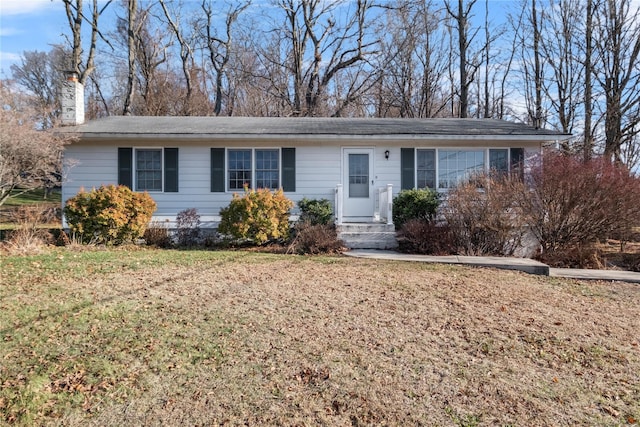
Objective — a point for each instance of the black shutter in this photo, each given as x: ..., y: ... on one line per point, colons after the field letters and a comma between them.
x: 217, y: 170
x: 407, y: 166
x: 289, y: 169
x: 125, y: 163
x: 171, y: 170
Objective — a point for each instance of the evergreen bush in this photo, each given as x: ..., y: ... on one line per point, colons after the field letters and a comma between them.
x: 415, y: 204
x: 315, y: 211
x: 110, y: 214
x: 259, y: 216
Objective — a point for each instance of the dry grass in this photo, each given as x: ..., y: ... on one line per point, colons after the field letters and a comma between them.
x: 232, y: 338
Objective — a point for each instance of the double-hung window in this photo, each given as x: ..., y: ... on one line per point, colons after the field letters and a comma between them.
x: 148, y: 169
x: 499, y: 161
x: 426, y: 168
x: 239, y: 169
x: 268, y: 169
x: 253, y: 168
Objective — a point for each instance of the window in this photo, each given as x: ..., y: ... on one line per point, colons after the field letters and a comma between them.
x: 445, y: 168
x: 148, y: 170
x: 241, y: 169
x: 267, y: 169
x: 457, y: 165
x: 358, y: 175
x: 233, y: 168
x: 499, y: 161
x: 426, y: 168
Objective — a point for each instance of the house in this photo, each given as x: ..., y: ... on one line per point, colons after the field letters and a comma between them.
x: 358, y: 164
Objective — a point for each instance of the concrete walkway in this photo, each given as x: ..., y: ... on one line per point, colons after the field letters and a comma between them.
x: 506, y: 263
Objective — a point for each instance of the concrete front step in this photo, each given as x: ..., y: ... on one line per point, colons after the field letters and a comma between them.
x: 367, y: 236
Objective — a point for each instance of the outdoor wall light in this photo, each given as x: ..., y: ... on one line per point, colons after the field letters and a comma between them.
x: 386, y: 154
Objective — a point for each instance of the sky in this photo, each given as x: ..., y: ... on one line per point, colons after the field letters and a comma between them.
x: 29, y: 25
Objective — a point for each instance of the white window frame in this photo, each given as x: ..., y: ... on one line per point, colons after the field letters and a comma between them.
x: 253, y: 150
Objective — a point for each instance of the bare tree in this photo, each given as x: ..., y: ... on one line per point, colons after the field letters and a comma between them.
x: 466, y: 67
x: 41, y: 74
x: 588, y: 109
x: 527, y: 43
x: 617, y: 44
x: 536, y: 118
x: 195, y: 100
x: 413, y: 61
x: 220, y: 49
x: 29, y: 158
x: 75, y: 17
x: 132, y: 30
x: 560, y: 48
x: 494, y: 70
x: 319, y: 44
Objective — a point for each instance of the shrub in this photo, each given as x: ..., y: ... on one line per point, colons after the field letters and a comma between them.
x: 258, y: 216
x: 483, y: 216
x: 581, y: 256
x: 188, y: 227
x: 157, y: 234
x: 28, y: 237
x: 111, y: 214
x: 315, y: 239
x: 418, y: 236
x: 414, y: 204
x: 315, y: 211
x: 571, y: 203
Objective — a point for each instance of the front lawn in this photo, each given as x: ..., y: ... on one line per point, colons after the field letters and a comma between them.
x: 150, y: 337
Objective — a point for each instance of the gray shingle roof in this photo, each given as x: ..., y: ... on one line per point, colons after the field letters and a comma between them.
x: 270, y: 126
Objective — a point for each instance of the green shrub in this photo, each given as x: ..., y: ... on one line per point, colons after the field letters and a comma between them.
x: 258, y: 215
x: 415, y: 204
x: 315, y: 211
x: 111, y: 214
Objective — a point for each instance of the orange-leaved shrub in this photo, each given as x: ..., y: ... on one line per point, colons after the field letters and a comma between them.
x: 258, y: 216
x: 110, y: 214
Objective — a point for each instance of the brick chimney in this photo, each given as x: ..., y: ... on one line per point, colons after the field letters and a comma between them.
x: 72, y: 100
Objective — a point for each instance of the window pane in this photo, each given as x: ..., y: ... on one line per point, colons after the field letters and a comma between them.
x: 499, y: 161
x: 359, y: 175
x: 149, y: 170
x: 239, y: 172
x: 457, y: 165
x: 267, y: 169
x: 426, y: 168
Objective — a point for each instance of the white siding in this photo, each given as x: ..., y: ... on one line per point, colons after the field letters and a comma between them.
x: 88, y: 167
x: 318, y: 171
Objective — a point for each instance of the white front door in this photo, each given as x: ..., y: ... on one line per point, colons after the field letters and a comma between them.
x: 357, y: 181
